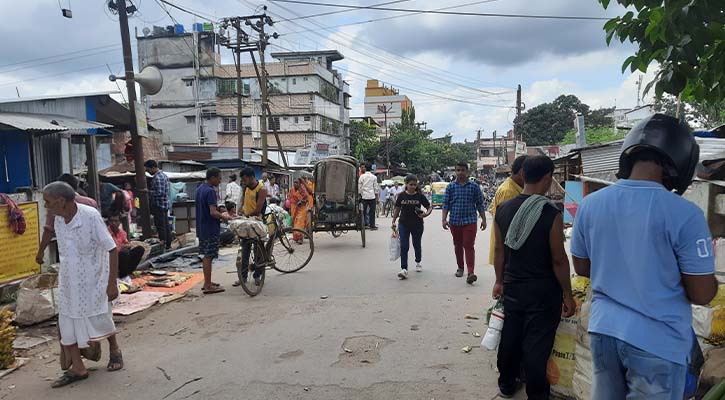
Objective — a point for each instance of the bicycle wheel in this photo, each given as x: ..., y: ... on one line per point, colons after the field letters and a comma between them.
x: 257, y: 266
x: 292, y: 255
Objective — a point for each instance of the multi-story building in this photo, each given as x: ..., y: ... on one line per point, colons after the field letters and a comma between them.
x: 381, y: 100
x: 308, y: 98
x: 498, y: 151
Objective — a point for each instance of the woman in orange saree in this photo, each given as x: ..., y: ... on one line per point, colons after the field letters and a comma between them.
x: 298, y: 208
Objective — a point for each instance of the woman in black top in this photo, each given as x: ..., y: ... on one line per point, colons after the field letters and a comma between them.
x: 408, y: 206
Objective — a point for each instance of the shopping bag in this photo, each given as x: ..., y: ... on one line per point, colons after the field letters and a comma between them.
x: 394, y: 246
x: 36, y: 299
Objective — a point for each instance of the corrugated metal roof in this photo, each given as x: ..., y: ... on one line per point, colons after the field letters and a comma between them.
x: 601, y: 158
x: 711, y: 148
x: 58, y: 96
x: 47, y: 122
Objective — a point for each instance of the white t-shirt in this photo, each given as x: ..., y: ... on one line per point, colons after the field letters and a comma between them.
x: 367, y: 185
x: 83, y: 245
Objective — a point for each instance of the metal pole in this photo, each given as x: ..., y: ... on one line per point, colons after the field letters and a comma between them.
x: 141, y: 190
x: 265, y: 97
x: 240, y: 131
x: 387, y: 139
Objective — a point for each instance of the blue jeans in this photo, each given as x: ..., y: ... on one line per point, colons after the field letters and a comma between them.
x: 622, y: 371
x: 405, y: 234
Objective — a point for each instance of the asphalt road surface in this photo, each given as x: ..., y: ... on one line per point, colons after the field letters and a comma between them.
x: 342, y: 328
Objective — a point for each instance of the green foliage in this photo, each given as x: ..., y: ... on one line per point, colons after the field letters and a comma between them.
x: 364, y: 141
x: 595, y: 135
x: 548, y: 123
x: 695, y: 113
x: 685, y: 37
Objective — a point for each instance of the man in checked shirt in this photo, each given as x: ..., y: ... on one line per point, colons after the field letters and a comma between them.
x: 463, y: 200
x: 159, y: 197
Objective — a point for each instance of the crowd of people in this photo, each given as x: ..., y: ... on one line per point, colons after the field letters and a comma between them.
x: 647, y: 251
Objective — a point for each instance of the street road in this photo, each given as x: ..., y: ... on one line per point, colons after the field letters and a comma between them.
x: 372, y: 337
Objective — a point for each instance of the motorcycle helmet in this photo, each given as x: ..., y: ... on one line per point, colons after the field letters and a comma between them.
x: 670, y: 139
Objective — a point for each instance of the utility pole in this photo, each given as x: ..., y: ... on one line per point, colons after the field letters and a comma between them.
x: 519, y: 107
x: 384, y: 109
x: 639, y: 89
x: 141, y: 190
x: 241, y: 44
x: 495, y: 150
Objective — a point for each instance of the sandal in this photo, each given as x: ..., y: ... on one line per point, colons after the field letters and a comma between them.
x: 115, y: 359
x: 67, y: 378
x: 213, y: 289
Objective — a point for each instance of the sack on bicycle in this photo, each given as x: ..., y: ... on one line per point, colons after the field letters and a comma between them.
x: 248, y: 228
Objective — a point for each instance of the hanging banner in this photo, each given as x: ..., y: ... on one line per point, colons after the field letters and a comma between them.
x: 18, y: 251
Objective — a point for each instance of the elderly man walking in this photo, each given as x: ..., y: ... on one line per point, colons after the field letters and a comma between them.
x: 86, y: 280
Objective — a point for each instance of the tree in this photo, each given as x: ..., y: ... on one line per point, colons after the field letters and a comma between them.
x: 364, y: 141
x: 548, y: 123
x: 686, y: 38
x: 596, y: 135
x: 695, y: 113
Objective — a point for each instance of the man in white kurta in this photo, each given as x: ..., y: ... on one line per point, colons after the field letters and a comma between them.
x: 86, y: 279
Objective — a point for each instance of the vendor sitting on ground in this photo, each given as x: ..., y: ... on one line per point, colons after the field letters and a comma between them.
x: 129, y: 256
x: 231, y: 209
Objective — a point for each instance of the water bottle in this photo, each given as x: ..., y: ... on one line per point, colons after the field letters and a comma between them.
x: 493, y: 334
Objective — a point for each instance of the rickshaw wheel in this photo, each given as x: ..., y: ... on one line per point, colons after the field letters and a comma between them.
x: 335, y: 233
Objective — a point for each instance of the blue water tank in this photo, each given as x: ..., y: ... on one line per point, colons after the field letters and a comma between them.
x: 178, y: 29
x: 198, y: 27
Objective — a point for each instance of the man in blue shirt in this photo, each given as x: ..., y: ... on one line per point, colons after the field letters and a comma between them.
x: 208, y: 219
x: 159, y: 191
x: 463, y: 200
x: 649, y: 255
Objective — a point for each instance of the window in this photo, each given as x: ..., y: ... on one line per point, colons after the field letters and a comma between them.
x: 294, y: 81
x: 188, y: 82
x: 305, y: 79
x: 307, y: 118
x: 274, y: 123
x: 297, y: 120
x: 229, y: 124
x: 226, y: 87
x: 485, y: 153
x: 190, y: 119
x: 247, y: 129
x: 284, y: 118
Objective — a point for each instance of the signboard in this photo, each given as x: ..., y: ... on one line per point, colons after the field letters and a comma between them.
x: 141, y: 121
x: 18, y: 251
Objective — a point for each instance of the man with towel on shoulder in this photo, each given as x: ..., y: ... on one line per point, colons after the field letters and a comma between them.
x: 532, y: 275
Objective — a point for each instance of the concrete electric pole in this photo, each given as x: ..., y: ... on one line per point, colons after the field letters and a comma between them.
x: 385, y: 110
x: 136, y: 140
x: 519, y: 108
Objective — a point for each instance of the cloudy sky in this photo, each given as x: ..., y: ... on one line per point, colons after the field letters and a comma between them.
x: 460, y: 71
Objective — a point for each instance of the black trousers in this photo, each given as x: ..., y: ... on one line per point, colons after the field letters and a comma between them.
x: 128, y: 260
x: 532, y: 312
x: 161, y: 221
x: 369, y: 210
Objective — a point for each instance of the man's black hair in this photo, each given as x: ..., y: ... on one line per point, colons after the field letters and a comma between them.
x: 69, y: 179
x: 233, y: 177
x: 463, y: 165
x: 537, y: 167
x: 248, y: 172
x: 213, y: 172
x: 151, y: 164
x: 368, y: 167
x: 518, y: 164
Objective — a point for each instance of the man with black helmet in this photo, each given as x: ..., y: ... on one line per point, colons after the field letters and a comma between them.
x: 649, y: 254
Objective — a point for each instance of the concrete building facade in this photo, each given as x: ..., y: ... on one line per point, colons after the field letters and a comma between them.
x: 492, y: 153
x: 378, y: 97
x: 308, y: 98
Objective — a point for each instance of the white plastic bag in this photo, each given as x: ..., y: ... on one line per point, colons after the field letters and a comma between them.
x: 37, y: 299
x: 394, y: 246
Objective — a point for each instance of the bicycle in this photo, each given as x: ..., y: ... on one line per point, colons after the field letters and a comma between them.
x: 289, y: 256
